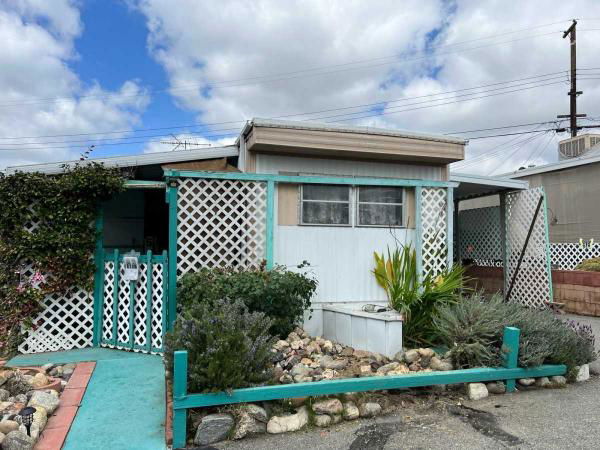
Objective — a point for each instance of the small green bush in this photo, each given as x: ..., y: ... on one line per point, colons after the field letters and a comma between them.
x: 473, y: 330
x: 228, y: 347
x: 281, y: 294
x: 591, y: 265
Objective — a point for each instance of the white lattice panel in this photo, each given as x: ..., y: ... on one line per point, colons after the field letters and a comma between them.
x: 434, y: 227
x: 140, y: 321
x: 567, y: 256
x: 480, y: 238
x: 220, y: 223
x: 532, y: 285
x: 156, y: 322
x: 123, y: 308
x: 65, y: 323
x: 108, y: 306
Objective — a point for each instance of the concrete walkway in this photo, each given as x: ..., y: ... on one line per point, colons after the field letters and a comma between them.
x: 124, y: 404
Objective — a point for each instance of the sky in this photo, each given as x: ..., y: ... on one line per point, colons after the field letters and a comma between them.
x: 119, y: 77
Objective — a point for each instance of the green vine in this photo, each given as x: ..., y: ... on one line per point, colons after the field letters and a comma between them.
x: 60, y: 245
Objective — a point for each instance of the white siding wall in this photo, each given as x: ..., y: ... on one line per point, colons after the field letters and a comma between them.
x: 316, y: 166
x: 341, y: 258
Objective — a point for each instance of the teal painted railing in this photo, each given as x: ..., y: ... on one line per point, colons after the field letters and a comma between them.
x: 182, y: 401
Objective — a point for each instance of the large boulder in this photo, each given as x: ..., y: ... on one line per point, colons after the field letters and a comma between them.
x: 248, y: 425
x: 6, y: 426
x: 351, y: 411
x: 369, y: 409
x: 440, y: 364
x: 583, y: 373
x: 323, y: 420
x: 293, y: 422
x: 214, y: 428
x: 46, y: 400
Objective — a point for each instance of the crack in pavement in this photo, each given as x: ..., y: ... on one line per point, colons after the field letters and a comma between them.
x: 375, y: 436
x: 485, y: 423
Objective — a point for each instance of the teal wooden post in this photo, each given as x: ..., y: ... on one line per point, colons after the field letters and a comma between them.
x: 165, y: 296
x: 450, y: 228
x: 172, y: 262
x: 98, y: 278
x: 180, y: 376
x: 418, y: 231
x: 149, y: 271
x: 510, y: 349
x: 270, y: 223
x: 116, y: 296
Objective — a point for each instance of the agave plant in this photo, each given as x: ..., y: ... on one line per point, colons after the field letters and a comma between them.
x: 417, y: 299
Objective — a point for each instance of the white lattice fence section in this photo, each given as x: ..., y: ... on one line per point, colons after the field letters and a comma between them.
x: 532, y: 284
x: 66, y: 320
x: 220, y: 223
x: 434, y: 225
x: 480, y: 236
x: 144, y: 330
x: 567, y: 256
x: 65, y: 323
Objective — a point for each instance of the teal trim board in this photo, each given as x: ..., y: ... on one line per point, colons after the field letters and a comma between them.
x: 71, y: 356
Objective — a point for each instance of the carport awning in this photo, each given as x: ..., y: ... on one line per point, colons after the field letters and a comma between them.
x: 471, y: 186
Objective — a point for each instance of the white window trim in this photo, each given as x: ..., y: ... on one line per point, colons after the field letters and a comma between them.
x: 357, y: 212
x: 350, y: 203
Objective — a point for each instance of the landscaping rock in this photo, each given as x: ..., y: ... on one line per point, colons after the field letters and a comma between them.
x: 40, y: 417
x: 542, y: 382
x: 329, y: 374
x: 3, y: 380
x: 293, y: 337
x: 213, y: 428
x: 327, y: 347
x: 4, y: 395
x: 526, y: 381
x: 426, y: 352
x: 47, y: 367
x: 6, y: 426
x: 440, y: 364
x: 47, y: 401
x: 583, y: 373
x: 558, y: 381
x: 39, y: 380
x: 415, y: 367
x: 388, y: 367
x: 293, y: 422
x: 15, y: 440
x: 286, y: 379
x: 351, y: 411
x: 2, y: 436
x: 330, y: 406
x: 300, y: 369
x: 256, y: 412
x: 248, y: 425
x: 327, y: 362
x: 313, y: 348
x: 411, y: 356
x: 595, y: 367
x: 496, y: 387
x: 369, y: 409
x: 363, y: 354
x: 477, y: 391
x: 17, y: 384
x: 323, y: 420
x: 302, y: 379
x: 400, y: 370
x: 399, y: 356
x: 347, y: 351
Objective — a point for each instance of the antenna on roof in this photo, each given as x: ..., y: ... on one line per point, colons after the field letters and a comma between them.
x: 183, y: 143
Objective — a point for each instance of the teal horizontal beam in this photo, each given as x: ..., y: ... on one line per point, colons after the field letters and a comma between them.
x: 156, y: 259
x: 358, y: 181
x: 362, y: 384
x: 145, y: 184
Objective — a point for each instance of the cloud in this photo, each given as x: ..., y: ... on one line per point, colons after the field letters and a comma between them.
x: 41, y: 96
x: 203, y: 44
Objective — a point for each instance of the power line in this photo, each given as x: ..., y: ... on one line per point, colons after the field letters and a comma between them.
x: 541, y: 78
x: 282, y: 76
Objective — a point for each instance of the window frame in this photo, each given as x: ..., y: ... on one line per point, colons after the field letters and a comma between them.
x: 358, y: 203
x: 350, y: 203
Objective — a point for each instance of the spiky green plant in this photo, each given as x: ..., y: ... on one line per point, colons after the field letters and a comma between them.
x: 416, y: 299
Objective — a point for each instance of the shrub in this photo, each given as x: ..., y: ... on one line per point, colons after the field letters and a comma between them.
x: 591, y: 265
x: 281, y: 294
x: 228, y: 347
x: 417, y: 300
x: 473, y: 330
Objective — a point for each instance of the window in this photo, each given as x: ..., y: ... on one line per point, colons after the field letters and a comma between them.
x: 380, y: 206
x: 325, y: 205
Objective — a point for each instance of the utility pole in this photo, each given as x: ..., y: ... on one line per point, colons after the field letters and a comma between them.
x: 573, y: 93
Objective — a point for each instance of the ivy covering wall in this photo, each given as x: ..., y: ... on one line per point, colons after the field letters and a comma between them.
x: 47, y: 223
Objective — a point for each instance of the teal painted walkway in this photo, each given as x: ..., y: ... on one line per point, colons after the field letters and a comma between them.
x: 124, y: 404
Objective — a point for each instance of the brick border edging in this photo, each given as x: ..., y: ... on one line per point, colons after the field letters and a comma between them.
x: 55, y: 432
